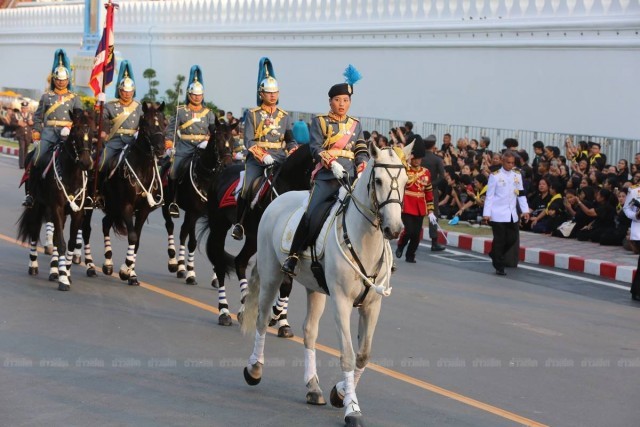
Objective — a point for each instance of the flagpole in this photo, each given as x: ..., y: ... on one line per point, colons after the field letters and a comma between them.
x: 101, y: 109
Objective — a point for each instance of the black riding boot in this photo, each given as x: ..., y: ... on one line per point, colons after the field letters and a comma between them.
x: 238, y: 229
x: 174, y: 210
x: 297, y: 246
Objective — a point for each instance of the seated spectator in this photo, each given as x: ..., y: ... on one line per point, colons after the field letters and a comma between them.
x: 449, y: 204
x: 553, y: 214
x: 472, y: 209
x: 538, y: 203
x: 601, y: 214
x: 615, y: 235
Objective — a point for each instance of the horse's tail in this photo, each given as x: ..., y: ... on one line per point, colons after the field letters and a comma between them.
x: 30, y: 222
x: 118, y: 224
x: 250, y: 314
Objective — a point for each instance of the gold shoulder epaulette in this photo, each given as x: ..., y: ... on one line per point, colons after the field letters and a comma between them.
x: 283, y: 111
x: 321, y: 115
x: 516, y: 170
x: 635, y: 186
x: 353, y: 118
x: 253, y: 110
x: 495, y: 172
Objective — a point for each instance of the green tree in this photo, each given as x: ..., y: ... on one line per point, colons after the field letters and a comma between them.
x: 173, y: 96
x: 150, y: 75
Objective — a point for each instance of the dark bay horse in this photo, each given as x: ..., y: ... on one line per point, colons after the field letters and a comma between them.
x: 192, y: 192
x: 293, y: 175
x: 61, y: 192
x: 134, y: 190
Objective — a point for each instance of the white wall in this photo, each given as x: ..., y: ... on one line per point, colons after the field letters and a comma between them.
x: 543, y: 69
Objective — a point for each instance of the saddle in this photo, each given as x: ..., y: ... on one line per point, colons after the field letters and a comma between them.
x: 318, y: 231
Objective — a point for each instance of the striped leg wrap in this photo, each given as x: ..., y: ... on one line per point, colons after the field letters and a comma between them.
x: 78, y: 250
x: 68, y: 258
x: 62, y: 269
x: 54, y: 261
x: 172, y: 247
x: 49, y: 234
x: 191, y: 262
x: 183, y: 250
x: 33, y: 254
x: 88, y: 259
x: 108, y: 253
x: 244, y: 290
x: 223, y: 305
x: 280, y: 309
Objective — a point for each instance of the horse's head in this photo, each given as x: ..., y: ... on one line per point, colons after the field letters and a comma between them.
x: 224, y: 140
x: 81, y: 136
x: 151, y: 128
x: 386, y: 184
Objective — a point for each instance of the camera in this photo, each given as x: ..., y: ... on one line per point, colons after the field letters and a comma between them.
x: 635, y: 202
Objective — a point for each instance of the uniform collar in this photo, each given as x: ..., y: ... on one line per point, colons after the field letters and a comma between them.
x: 61, y: 91
x: 337, y: 118
x: 269, y: 110
x: 193, y: 107
x: 125, y: 104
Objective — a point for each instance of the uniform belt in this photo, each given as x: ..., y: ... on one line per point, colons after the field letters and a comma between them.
x: 342, y: 153
x: 413, y: 193
x: 238, y: 148
x: 271, y: 144
x: 58, y: 123
x: 126, y: 132
x: 194, y: 137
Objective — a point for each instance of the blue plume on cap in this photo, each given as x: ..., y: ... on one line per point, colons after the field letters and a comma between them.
x: 195, y: 72
x: 351, y: 75
x: 265, y: 69
x: 124, y: 66
x: 60, y: 57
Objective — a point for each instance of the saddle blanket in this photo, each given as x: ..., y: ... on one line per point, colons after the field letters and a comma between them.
x: 292, y: 224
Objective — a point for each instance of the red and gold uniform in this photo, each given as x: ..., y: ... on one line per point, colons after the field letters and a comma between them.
x: 418, y: 202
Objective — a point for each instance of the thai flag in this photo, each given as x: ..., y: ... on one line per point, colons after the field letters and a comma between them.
x: 104, y: 63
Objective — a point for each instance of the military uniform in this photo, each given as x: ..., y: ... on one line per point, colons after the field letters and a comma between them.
x: 631, y: 212
x: 23, y: 133
x: 504, y: 191
x: 190, y: 127
x: 53, y: 114
x: 120, y: 122
x: 417, y: 203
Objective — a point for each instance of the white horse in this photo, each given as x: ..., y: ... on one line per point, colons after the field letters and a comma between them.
x: 357, y: 258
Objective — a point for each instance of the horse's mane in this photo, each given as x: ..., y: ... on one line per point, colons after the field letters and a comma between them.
x: 296, y: 169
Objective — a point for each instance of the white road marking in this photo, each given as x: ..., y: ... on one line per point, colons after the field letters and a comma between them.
x: 543, y: 270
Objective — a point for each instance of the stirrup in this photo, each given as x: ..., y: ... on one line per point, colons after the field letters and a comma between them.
x: 174, y: 210
x: 28, y: 201
x: 289, y: 265
x: 237, y: 232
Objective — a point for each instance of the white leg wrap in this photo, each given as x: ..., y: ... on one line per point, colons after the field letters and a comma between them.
x: 49, y: 234
x: 350, y: 400
x: 309, y: 364
x: 258, y: 349
x: 356, y: 376
x: 225, y: 311
x: 108, y: 262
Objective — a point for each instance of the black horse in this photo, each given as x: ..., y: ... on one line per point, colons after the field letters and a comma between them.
x: 192, y: 191
x: 134, y: 190
x: 61, y: 192
x: 293, y: 175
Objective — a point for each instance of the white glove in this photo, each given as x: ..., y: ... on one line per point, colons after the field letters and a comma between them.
x: 169, y: 152
x: 432, y: 218
x: 337, y: 169
x: 268, y: 160
x: 239, y: 156
x: 102, y: 97
x: 203, y: 144
x: 135, y: 135
x: 64, y: 132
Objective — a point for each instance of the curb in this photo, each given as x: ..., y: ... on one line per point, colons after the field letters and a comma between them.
x: 8, y: 150
x: 595, y: 267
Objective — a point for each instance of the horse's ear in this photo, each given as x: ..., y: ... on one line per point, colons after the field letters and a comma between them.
x: 374, y: 150
x: 145, y: 107
x: 161, y: 107
x: 408, y: 149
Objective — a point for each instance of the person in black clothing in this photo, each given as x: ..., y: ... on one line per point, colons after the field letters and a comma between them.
x: 602, y: 215
x: 435, y: 164
x: 615, y: 235
x: 554, y: 213
x: 538, y: 203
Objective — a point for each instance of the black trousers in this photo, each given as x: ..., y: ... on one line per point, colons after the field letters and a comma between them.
x: 635, y: 284
x: 505, y: 236
x: 411, y: 235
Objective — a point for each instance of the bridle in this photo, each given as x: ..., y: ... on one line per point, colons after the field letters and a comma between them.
x: 85, y: 145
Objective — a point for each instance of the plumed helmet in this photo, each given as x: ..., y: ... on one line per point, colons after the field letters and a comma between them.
x: 195, y: 86
x: 125, y: 78
x: 61, y: 69
x: 351, y: 76
x: 266, y: 78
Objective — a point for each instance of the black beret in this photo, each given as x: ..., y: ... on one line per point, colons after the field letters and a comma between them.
x: 341, y: 89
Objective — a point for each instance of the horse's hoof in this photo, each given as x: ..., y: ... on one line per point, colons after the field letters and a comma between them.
x: 249, y: 379
x: 181, y: 274
x: 354, y: 420
x: 63, y: 287
x: 33, y: 271
x: 53, y: 277
x: 315, y: 398
x: 224, y: 320
x: 215, y: 283
x: 240, y: 317
x: 335, y: 398
x: 91, y: 272
x: 191, y: 281
x: 48, y: 250
x: 107, y: 270
x: 133, y: 281
x: 123, y: 275
x: 285, y: 331
x: 77, y: 259
x: 172, y: 267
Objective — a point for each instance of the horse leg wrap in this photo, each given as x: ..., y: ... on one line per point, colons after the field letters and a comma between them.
x: 258, y: 349
x: 53, y: 270
x: 49, y: 234
x: 244, y: 290
x: 62, y: 265
x: 309, y: 364
x: 181, y: 254
x: 222, y: 299
x: 33, y: 254
x: 77, y: 252
x: 356, y: 376
x: 108, y: 262
x: 350, y: 400
x: 87, y: 254
x: 191, y: 263
x: 69, y: 257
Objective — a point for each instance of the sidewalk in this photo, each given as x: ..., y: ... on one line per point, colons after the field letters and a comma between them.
x: 611, y: 262
x: 8, y: 150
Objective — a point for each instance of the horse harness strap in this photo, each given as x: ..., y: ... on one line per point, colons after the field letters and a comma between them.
x: 372, y: 278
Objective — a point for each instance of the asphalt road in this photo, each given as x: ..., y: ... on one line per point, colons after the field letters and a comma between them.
x: 455, y: 346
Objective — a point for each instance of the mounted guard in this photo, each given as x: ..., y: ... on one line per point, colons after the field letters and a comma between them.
x: 188, y: 129
x: 267, y: 137
x: 53, y: 119
x: 120, y: 118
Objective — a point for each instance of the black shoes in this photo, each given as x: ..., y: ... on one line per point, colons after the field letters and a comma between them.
x: 635, y: 297
x: 237, y: 232
x: 501, y: 272
x: 28, y: 201
x: 411, y: 260
x: 289, y: 266
x: 174, y: 210
x: 437, y: 248
x: 399, y: 251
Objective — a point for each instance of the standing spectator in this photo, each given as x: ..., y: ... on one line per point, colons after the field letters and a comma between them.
x: 484, y: 144
x: 633, y: 213
x: 446, y: 144
x: 622, y: 171
x: 418, y: 202
x: 596, y: 159
x: 382, y: 142
x: 23, y: 121
x: 435, y: 165
x: 408, y: 135
x: 505, y: 187
x: 538, y: 150
x: 230, y: 119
